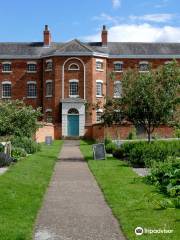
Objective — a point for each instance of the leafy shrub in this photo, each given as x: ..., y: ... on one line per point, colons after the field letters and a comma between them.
x: 177, y: 202
x: 132, y: 135
x: 143, y: 153
x: 118, y: 153
x: 110, y: 147
x: 27, y: 144
x: 177, y: 132
x: 17, y: 153
x: 5, y: 160
x: 166, y: 175
x: 107, y: 140
x: 1, y: 148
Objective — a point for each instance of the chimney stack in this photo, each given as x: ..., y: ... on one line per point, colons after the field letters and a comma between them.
x: 47, y: 36
x: 104, y: 36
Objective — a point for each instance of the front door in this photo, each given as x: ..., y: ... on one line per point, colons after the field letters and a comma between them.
x: 73, y: 125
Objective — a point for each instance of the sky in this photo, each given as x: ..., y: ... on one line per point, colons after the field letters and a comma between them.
x: 126, y: 20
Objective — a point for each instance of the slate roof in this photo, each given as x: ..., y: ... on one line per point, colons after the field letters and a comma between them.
x: 75, y: 47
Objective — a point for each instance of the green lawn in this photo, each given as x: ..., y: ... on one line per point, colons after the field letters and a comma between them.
x: 132, y: 201
x: 21, y: 192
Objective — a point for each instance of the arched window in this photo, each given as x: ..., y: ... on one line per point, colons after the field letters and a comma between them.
x: 6, y: 89
x: 144, y: 66
x: 49, y: 88
x: 49, y: 117
x: 98, y: 115
x: 6, y: 67
x: 73, y: 67
x: 31, y: 89
x: 117, y: 89
x: 118, y: 66
x: 73, y: 111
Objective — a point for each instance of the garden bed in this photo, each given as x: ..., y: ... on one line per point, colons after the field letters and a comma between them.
x: 133, y: 202
x: 21, y: 192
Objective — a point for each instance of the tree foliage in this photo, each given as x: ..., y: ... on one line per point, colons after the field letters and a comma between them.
x: 148, y: 98
x: 18, y: 119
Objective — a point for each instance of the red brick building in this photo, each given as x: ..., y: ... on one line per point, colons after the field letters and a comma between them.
x: 64, y: 78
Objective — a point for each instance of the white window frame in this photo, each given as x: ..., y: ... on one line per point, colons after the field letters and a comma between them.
x: 118, y: 82
x: 102, y: 62
x: 101, y: 82
x: 118, y: 62
x: 9, y: 83
x: 167, y: 62
x: 73, y: 81
x: 31, y: 82
x: 73, y: 69
x: 49, y: 69
x: 49, y: 81
x: 143, y: 62
x: 3, y: 63
x: 98, y: 111
x: 31, y: 62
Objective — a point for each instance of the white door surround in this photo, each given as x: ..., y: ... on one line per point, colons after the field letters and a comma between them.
x: 68, y: 104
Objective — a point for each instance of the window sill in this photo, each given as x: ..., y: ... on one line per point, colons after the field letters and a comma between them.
x: 48, y: 70
x: 73, y: 96
x: 116, y: 71
x: 99, y: 70
x: 143, y: 71
x: 6, y: 71
x: 31, y: 71
x: 6, y: 97
x: 49, y: 96
x: 117, y: 97
x: 31, y: 97
x: 99, y: 96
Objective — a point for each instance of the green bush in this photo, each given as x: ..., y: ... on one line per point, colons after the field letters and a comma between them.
x: 18, y: 153
x: 132, y: 135
x: 166, y: 175
x: 143, y: 153
x: 110, y: 147
x: 1, y: 148
x: 107, y: 140
x: 27, y: 144
x: 118, y: 153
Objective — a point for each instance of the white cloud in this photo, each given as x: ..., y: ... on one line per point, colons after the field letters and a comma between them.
x: 160, y: 18
x: 116, y: 3
x: 139, y: 33
x: 105, y: 18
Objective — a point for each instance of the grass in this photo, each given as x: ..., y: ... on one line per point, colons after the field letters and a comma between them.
x: 22, y: 189
x: 133, y: 202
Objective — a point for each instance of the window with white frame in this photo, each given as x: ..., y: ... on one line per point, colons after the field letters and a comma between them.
x: 74, y: 88
x: 49, y: 117
x: 49, y: 88
x: 118, y: 66
x: 6, y: 89
x: 31, y: 67
x: 6, y: 67
x: 144, y: 66
x: 73, y: 67
x: 117, y: 89
x: 99, y: 64
x: 99, y: 88
x: 49, y: 65
x: 99, y: 115
x: 31, y: 89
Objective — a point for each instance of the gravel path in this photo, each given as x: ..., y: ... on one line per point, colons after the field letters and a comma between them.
x: 74, y: 207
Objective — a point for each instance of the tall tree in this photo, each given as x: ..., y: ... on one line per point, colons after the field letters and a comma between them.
x: 150, y: 98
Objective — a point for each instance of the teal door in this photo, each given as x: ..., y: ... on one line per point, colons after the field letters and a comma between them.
x: 73, y: 125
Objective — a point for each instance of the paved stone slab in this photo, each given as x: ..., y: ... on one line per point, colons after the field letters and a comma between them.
x: 74, y: 207
x: 3, y: 170
x: 142, y: 172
